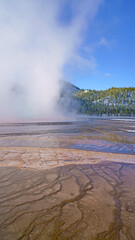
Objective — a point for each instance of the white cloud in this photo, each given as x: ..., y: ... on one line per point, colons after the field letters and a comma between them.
x: 107, y: 74
x: 84, y: 63
x: 103, y: 42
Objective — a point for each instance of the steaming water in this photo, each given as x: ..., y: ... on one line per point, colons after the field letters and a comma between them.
x: 92, y: 134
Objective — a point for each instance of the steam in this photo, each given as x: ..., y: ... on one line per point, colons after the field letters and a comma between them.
x: 35, y: 44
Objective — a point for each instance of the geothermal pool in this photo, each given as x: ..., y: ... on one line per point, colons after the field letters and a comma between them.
x: 68, y: 180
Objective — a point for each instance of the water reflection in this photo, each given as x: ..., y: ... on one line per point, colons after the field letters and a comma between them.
x: 93, y: 134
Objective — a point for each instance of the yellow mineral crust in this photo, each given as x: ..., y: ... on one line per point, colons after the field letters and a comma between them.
x: 43, y: 158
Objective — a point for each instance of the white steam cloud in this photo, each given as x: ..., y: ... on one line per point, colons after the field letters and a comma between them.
x: 35, y: 44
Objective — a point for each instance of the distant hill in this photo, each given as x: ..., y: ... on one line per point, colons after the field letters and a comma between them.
x: 68, y: 88
x: 68, y: 102
x: 114, y: 101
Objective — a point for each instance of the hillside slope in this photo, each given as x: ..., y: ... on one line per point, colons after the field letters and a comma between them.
x: 114, y: 101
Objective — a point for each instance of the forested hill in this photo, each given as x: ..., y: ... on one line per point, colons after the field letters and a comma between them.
x: 114, y: 101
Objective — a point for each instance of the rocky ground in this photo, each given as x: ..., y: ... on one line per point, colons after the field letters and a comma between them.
x: 74, y: 202
x: 67, y: 181
x: 44, y: 158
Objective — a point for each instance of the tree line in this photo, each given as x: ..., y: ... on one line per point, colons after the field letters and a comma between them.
x: 114, y: 101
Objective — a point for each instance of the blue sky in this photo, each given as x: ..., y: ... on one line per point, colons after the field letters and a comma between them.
x: 107, y: 51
